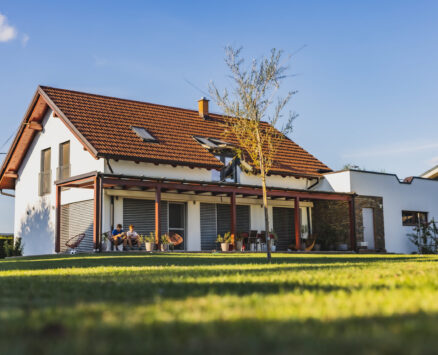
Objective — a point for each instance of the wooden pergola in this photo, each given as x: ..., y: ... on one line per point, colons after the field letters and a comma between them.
x: 99, y: 181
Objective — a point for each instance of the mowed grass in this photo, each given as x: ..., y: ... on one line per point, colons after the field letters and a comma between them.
x: 219, y: 304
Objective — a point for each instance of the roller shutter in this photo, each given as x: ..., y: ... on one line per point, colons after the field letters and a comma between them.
x: 141, y: 214
x: 224, y: 218
x: 208, y: 226
x: 77, y: 218
x: 284, y: 226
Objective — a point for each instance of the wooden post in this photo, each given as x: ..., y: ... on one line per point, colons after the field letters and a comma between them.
x: 352, y: 224
x: 157, y: 215
x: 97, y: 212
x: 297, y: 223
x: 58, y: 220
x: 233, y: 217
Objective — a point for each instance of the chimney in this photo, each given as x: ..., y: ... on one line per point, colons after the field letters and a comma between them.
x: 203, y: 107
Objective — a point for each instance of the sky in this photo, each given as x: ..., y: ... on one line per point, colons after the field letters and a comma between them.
x: 365, y: 72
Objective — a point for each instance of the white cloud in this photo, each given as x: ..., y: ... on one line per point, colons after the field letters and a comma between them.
x: 7, y: 32
x: 24, y: 39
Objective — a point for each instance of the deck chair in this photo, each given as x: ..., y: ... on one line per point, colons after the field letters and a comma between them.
x: 74, y: 242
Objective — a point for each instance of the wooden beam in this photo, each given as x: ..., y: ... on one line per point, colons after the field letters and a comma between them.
x: 58, y: 219
x: 97, y: 210
x: 157, y: 216
x: 35, y: 126
x: 228, y: 189
x: 233, y: 217
x: 352, y: 213
x: 297, y: 223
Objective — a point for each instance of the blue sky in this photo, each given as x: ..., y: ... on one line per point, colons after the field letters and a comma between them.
x: 367, y: 77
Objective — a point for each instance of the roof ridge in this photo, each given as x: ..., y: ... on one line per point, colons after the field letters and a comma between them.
x: 127, y: 100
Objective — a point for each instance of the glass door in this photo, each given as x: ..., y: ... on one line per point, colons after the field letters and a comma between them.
x: 177, y: 218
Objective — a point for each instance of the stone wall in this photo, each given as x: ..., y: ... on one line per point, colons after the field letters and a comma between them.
x: 331, y: 221
x: 376, y: 203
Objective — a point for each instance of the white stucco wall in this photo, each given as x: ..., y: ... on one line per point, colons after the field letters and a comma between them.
x: 34, y: 218
x: 288, y: 182
x: 420, y: 195
x: 158, y: 171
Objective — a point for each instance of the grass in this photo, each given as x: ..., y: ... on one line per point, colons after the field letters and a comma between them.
x: 219, y: 304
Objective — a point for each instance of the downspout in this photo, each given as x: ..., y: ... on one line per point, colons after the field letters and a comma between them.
x: 6, y: 194
x: 109, y: 166
x: 318, y: 179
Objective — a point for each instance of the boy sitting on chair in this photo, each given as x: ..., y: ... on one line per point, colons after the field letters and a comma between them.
x: 118, y: 236
x: 131, y: 237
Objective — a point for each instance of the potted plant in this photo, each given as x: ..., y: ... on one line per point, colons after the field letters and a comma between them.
x: 225, y: 241
x: 106, y: 241
x: 239, y: 241
x: 273, y: 237
x: 165, y: 241
x: 149, y: 241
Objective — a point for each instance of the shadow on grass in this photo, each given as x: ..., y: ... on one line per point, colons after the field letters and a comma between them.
x: 176, y: 259
x: 398, y: 334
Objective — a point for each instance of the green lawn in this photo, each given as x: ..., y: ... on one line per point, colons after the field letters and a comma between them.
x: 219, y: 303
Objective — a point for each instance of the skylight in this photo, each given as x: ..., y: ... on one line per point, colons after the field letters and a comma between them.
x: 143, y: 134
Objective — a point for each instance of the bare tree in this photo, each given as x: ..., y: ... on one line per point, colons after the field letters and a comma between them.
x: 253, y: 109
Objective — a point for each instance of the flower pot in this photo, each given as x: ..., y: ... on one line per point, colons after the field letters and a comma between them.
x: 149, y: 246
x: 164, y: 247
x: 239, y: 245
x: 225, y: 246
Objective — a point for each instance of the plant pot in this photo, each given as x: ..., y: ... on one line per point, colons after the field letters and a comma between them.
x: 149, y: 246
x: 225, y: 246
x: 164, y: 247
x: 239, y: 245
x: 342, y: 247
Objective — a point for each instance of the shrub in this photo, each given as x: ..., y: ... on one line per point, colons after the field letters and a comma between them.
x: 3, y: 240
x: 13, y: 248
x: 425, y: 237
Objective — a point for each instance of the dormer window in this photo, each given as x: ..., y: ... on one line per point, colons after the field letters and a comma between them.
x: 213, y: 143
x: 143, y: 134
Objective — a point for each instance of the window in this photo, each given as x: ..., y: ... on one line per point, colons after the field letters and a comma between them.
x: 413, y: 218
x: 143, y: 134
x: 213, y: 143
x: 64, y: 161
x: 228, y: 172
x: 45, y: 175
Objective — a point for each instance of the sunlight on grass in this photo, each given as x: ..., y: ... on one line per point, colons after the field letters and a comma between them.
x: 344, y: 299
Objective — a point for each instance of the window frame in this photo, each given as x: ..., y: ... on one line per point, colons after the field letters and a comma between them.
x: 147, y: 137
x: 417, y: 220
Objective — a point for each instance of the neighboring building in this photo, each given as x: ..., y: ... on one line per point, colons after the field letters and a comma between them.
x: 431, y: 173
x: 405, y: 204
x: 83, y: 163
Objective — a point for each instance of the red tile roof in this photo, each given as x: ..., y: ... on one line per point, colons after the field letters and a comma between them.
x: 105, y: 123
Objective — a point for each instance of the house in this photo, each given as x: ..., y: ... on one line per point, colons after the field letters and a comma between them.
x: 82, y: 163
x: 431, y: 173
x: 405, y: 204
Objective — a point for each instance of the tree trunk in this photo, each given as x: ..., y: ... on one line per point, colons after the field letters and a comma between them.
x: 265, y: 195
x: 265, y: 208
